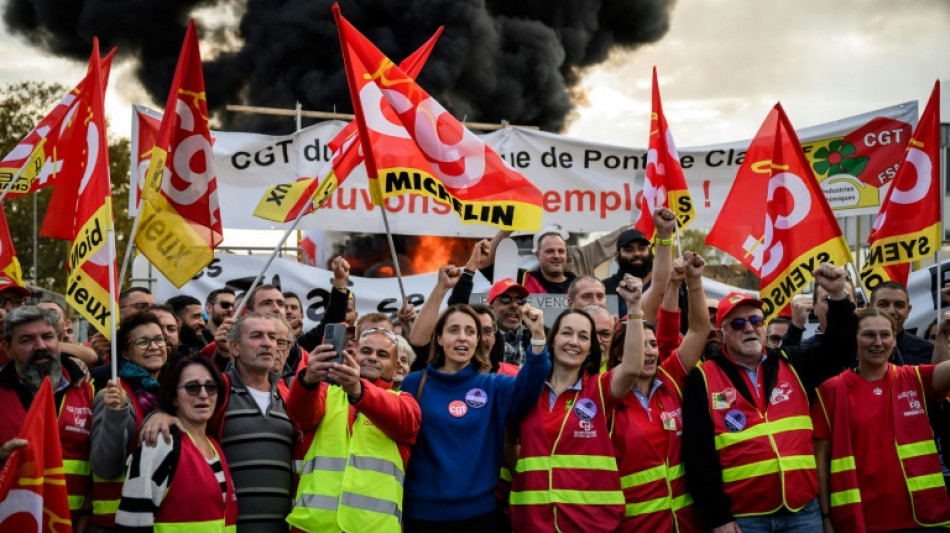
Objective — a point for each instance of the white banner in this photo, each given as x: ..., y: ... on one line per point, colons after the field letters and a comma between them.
x: 586, y: 186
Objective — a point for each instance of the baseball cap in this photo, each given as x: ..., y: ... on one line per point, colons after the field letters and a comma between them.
x: 631, y: 235
x: 6, y: 282
x: 731, y: 300
x: 504, y: 286
x: 547, y: 230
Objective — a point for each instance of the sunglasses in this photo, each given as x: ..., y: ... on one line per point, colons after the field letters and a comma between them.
x: 193, y: 388
x: 226, y: 305
x: 505, y: 299
x: 377, y: 329
x: 145, y: 342
x: 738, y: 324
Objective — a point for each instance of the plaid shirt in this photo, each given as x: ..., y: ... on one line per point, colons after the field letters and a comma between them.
x: 516, y: 344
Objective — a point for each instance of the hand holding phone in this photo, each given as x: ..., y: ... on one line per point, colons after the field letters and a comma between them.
x: 335, y: 335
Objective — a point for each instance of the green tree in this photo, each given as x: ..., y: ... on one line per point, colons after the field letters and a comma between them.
x: 22, y: 105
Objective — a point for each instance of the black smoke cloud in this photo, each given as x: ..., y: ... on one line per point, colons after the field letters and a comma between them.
x: 514, y: 60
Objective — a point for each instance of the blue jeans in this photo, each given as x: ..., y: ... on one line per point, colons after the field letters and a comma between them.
x: 784, y: 521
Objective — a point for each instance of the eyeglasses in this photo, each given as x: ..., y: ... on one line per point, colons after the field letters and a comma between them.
x: 505, y: 299
x: 282, y: 343
x: 377, y: 329
x: 738, y: 324
x: 17, y: 301
x: 871, y: 335
x: 226, y: 305
x: 145, y: 342
x: 193, y: 388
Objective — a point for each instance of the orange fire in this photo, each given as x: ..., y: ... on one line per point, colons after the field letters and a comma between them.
x: 427, y: 253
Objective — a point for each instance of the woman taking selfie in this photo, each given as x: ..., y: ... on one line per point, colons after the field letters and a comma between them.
x: 566, y: 475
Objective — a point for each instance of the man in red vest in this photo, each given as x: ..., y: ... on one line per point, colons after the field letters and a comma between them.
x: 29, y: 336
x: 747, y: 435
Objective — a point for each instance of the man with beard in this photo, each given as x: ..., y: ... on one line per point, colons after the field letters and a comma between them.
x: 635, y: 256
x: 294, y: 313
x: 29, y: 336
x: 218, y: 305
x: 188, y: 310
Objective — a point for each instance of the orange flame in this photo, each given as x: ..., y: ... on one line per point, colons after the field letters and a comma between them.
x: 428, y: 252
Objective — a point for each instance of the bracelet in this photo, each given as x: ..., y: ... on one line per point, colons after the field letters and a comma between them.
x: 632, y: 316
x: 825, y: 516
x: 538, y: 342
x: 663, y: 242
x: 467, y: 271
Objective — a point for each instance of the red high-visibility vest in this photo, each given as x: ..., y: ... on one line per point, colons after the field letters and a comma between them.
x: 193, y: 501
x: 914, y: 442
x: 571, y: 484
x: 654, y: 486
x: 767, y: 459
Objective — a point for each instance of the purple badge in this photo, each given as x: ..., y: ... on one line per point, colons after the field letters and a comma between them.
x: 585, y: 409
x: 735, y: 421
x: 476, y: 398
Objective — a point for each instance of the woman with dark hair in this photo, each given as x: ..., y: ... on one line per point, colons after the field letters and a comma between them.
x: 566, y: 475
x: 119, y: 409
x: 455, y: 462
x: 647, y: 427
x: 184, y: 485
x: 878, y: 468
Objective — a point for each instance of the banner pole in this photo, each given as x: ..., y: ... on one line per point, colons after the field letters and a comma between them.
x: 942, y: 165
x: 112, y: 299
x: 392, y: 250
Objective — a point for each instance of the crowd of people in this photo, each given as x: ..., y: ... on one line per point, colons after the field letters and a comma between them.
x: 678, y: 413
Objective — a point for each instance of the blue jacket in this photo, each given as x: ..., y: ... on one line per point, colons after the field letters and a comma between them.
x: 458, y: 453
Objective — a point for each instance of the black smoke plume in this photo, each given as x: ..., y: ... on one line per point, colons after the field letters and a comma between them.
x: 514, y: 60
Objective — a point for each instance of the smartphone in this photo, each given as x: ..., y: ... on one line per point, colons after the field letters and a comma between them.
x: 335, y: 334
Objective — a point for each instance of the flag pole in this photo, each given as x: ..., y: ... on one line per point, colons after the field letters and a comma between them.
x: 128, y: 248
x: 943, y: 199
x: 112, y: 299
x: 392, y: 250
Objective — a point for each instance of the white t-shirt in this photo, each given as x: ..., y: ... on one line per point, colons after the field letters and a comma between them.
x: 262, y: 398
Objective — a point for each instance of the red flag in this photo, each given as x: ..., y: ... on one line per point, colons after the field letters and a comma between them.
x: 908, y: 226
x: 776, y: 220
x: 80, y: 208
x: 9, y: 264
x: 32, y: 481
x: 46, y: 151
x: 664, y: 184
x: 413, y: 145
x: 180, y: 221
x: 284, y: 202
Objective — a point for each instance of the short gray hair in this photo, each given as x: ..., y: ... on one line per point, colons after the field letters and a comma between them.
x: 404, y: 347
x: 237, y: 328
x: 25, y: 315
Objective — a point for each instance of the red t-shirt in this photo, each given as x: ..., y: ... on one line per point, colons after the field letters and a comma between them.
x: 658, y: 419
x: 554, y: 418
x: 871, y: 422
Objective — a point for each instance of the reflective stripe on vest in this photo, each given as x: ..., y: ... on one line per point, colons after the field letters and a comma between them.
x: 211, y: 526
x: 79, y: 468
x: 651, y: 475
x: 768, y: 463
x: 792, y: 423
x: 349, y: 482
x: 102, y: 506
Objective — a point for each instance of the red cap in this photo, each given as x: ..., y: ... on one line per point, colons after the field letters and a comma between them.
x: 504, y: 286
x: 6, y: 282
x: 731, y: 300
